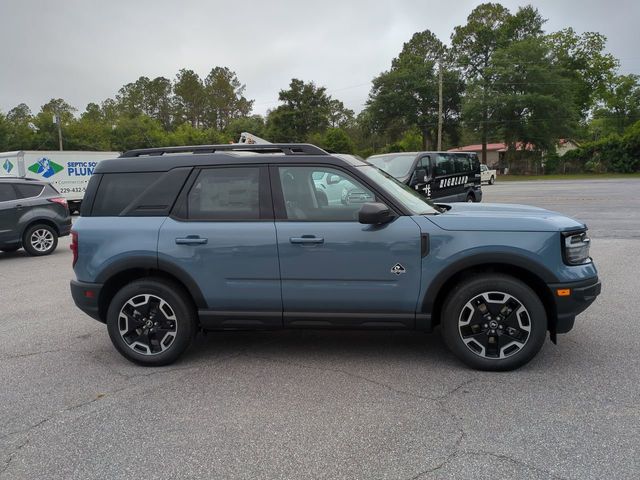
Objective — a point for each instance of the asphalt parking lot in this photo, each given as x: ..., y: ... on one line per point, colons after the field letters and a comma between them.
x: 327, y: 405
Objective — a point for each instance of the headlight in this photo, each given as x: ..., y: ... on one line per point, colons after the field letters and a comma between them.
x: 575, y: 248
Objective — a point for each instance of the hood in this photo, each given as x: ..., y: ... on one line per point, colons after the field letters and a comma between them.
x: 502, y: 217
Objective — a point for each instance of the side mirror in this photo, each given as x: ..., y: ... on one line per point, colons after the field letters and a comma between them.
x: 421, y: 175
x: 375, y: 214
x: 332, y: 179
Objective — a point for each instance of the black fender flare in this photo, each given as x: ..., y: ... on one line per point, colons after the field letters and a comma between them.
x: 148, y: 262
x: 483, y: 259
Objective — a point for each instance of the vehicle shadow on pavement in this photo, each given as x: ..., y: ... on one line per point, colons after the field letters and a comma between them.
x: 298, y: 346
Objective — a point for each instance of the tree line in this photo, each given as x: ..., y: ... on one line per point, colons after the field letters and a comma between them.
x: 503, y: 79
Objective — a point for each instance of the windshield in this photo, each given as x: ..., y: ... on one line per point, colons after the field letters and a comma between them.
x: 409, y: 198
x: 395, y: 165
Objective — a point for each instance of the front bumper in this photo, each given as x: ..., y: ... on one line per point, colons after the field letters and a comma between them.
x: 86, y: 295
x: 477, y: 191
x: 581, y: 295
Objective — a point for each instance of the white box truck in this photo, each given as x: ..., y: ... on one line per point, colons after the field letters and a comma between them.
x: 67, y: 171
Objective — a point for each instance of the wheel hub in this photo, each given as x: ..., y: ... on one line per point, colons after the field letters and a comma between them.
x: 147, y: 324
x: 494, y: 325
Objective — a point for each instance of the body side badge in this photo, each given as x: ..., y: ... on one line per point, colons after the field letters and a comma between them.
x: 398, y: 269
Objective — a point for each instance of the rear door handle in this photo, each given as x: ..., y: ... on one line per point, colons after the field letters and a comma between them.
x: 306, y: 239
x: 191, y: 240
x: 19, y: 206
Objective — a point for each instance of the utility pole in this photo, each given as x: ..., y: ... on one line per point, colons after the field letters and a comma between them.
x: 58, y: 122
x: 440, y: 105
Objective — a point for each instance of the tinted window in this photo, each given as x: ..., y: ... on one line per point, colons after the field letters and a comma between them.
x: 322, y: 194
x: 26, y: 191
x: 395, y: 165
x: 444, y: 164
x: 462, y: 163
x: 225, y: 194
x: 118, y: 190
x: 6, y: 192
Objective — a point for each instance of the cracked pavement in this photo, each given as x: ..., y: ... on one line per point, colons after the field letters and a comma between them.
x: 317, y: 404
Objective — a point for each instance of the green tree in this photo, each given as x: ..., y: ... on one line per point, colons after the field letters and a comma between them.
x: 224, y: 98
x: 254, y: 124
x: 620, y: 106
x: 305, y: 111
x: 531, y: 101
x: 189, y: 94
x: 339, y: 115
x: 489, y: 27
x: 19, y: 135
x: 406, y: 96
x: 585, y: 63
x: 138, y: 132
x: 19, y: 114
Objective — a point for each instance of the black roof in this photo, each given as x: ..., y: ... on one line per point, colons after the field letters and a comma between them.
x: 166, y: 158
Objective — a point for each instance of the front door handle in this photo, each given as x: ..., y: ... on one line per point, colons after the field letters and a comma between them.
x: 19, y: 206
x: 306, y: 239
x: 191, y: 240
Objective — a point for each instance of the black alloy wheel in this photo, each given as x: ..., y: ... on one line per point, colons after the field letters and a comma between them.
x: 151, y: 321
x: 493, y: 322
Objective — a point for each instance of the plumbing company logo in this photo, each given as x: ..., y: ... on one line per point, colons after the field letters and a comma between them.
x: 45, y: 167
x: 7, y: 166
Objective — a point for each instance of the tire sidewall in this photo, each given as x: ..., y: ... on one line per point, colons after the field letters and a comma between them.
x: 26, y: 240
x: 466, y: 291
x: 177, y: 299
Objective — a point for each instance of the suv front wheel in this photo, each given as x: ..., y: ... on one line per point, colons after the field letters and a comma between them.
x: 494, y: 322
x: 151, y: 321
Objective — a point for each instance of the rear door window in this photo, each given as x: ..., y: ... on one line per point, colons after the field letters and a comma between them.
x: 225, y: 194
x: 7, y: 193
x: 444, y: 164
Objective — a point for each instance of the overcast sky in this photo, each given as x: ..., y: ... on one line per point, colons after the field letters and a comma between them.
x: 85, y: 50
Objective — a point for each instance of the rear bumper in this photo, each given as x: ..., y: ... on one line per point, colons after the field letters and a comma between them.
x: 582, y: 294
x: 86, y: 295
x: 477, y: 191
x: 65, y: 228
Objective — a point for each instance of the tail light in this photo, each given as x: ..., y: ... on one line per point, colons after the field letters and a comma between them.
x: 60, y: 201
x: 74, y: 247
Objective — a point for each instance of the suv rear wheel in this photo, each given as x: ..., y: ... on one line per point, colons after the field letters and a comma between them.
x: 494, y: 322
x: 40, y: 240
x: 151, y: 321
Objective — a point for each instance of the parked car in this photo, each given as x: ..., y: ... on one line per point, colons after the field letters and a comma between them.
x: 180, y: 239
x: 487, y: 175
x: 33, y: 215
x: 445, y: 176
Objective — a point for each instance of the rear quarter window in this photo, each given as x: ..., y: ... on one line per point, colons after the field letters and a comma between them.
x: 117, y: 190
x: 28, y: 191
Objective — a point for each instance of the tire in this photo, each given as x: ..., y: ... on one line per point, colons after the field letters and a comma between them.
x: 174, y: 329
x: 512, y: 345
x: 39, y: 240
x: 471, y: 198
x: 10, y: 249
x: 492, y: 180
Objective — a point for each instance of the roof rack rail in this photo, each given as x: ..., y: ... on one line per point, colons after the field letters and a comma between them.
x: 286, y: 148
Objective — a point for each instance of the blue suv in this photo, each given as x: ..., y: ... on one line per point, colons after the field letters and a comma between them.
x: 176, y: 240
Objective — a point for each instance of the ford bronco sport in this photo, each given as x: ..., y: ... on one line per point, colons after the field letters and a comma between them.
x: 176, y: 240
